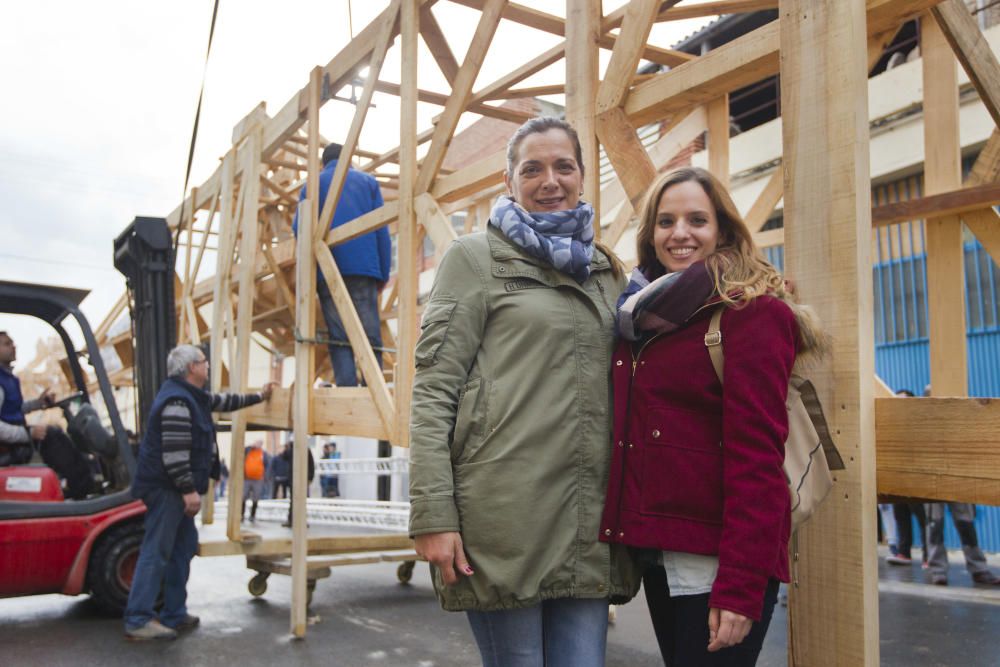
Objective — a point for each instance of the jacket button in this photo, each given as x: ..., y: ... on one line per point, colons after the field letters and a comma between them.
x: 621, y: 534
x: 618, y: 363
x: 630, y: 445
x: 600, y: 588
x: 501, y: 269
x: 656, y: 433
x: 607, y: 532
x: 621, y: 444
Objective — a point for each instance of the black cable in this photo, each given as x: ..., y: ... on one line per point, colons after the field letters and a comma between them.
x: 194, y: 132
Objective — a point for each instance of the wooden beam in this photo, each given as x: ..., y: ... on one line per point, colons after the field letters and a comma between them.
x: 939, y: 448
x: 438, y: 227
x: 441, y: 99
x: 694, y: 11
x: 718, y: 138
x: 438, y: 45
x: 824, y: 96
x: 632, y: 163
x: 534, y: 91
x: 357, y: 123
x: 498, y: 88
x: 637, y: 22
x: 945, y: 251
x: 461, y: 92
x: 769, y: 197
x: 973, y: 51
x: 408, y: 247
x: 583, y: 27
x: 945, y: 204
x: 472, y: 179
x: 305, y: 322
x: 356, y: 334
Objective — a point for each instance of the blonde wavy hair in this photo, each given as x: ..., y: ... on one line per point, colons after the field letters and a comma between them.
x: 739, y: 270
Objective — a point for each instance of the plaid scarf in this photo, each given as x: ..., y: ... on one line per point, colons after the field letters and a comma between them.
x: 564, y: 239
x: 663, y: 305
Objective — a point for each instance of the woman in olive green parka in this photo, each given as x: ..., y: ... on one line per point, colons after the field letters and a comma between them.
x: 511, y: 426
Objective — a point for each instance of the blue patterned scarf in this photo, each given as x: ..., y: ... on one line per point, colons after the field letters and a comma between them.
x: 564, y: 239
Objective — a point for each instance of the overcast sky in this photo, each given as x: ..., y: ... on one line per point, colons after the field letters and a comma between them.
x: 100, y: 100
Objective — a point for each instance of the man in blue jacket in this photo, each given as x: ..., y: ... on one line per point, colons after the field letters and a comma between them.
x: 177, y: 456
x: 364, y: 263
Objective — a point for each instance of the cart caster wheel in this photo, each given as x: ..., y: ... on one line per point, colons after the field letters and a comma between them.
x: 258, y: 585
x: 405, y: 571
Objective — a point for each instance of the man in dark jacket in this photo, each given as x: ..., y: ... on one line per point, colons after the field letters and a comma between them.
x: 18, y: 440
x: 177, y: 456
x: 288, y: 456
x: 363, y: 262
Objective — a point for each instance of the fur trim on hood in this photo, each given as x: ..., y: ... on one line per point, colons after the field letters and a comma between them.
x: 814, y: 341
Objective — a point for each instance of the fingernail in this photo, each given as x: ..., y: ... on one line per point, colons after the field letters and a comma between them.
x: 468, y: 570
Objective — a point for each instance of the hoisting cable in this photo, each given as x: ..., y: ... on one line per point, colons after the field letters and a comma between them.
x: 194, y: 131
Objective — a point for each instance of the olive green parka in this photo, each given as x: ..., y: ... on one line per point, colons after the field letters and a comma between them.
x: 511, y: 426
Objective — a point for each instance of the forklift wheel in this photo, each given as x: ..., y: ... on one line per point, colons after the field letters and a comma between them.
x: 405, y: 571
x: 258, y: 584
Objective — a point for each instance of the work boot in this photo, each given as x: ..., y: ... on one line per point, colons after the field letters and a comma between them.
x: 152, y: 630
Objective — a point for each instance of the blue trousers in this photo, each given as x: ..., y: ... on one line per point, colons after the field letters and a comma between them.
x: 556, y: 633
x: 364, y: 294
x: 168, y: 546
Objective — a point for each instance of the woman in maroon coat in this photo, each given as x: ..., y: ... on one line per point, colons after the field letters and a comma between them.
x: 696, y: 477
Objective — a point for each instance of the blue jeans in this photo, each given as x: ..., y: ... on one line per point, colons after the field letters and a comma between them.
x: 168, y: 546
x: 364, y: 294
x: 557, y: 633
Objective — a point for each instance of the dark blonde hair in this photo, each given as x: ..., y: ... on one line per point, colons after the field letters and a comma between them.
x: 541, y: 125
x: 737, y: 266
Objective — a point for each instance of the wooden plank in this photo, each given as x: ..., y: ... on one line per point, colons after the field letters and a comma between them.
x: 220, y: 285
x: 985, y: 224
x: 357, y: 123
x: 364, y: 224
x: 437, y: 44
x: 945, y: 252
x: 583, y: 27
x: 698, y: 10
x: 636, y: 24
x: 438, y: 227
x: 939, y: 448
x: 440, y: 99
x: 747, y: 59
x: 305, y: 321
x: 824, y: 96
x: 355, y: 333
x: 498, y: 88
x: 764, y: 205
x: 287, y: 296
x: 461, y: 93
x: 533, y: 91
x: 472, y: 179
x: 407, y: 240
x: 315, y: 545
x: 944, y: 204
x: 718, y: 138
x: 962, y: 31
x: 632, y: 164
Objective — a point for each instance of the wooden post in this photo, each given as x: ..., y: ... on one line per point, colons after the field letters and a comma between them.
x: 305, y: 320
x: 583, y: 28
x: 945, y: 254
x: 833, y: 611
x: 239, y: 372
x: 407, y: 239
x: 718, y: 138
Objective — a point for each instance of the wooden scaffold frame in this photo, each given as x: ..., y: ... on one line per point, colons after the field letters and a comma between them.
x: 945, y: 447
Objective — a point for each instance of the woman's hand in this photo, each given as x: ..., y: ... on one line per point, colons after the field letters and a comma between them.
x: 726, y: 628
x: 445, y: 552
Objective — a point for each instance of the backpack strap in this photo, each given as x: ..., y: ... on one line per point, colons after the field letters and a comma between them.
x: 713, y: 341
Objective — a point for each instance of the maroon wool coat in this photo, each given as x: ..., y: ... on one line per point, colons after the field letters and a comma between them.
x: 696, y: 467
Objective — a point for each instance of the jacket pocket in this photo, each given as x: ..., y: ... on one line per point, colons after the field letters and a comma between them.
x: 682, y: 465
x: 470, y: 416
x: 434, y: 329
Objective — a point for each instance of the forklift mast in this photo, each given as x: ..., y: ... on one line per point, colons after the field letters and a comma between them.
x: 144, y: 254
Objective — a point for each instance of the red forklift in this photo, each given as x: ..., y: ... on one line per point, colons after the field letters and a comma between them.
x: 49, y: 544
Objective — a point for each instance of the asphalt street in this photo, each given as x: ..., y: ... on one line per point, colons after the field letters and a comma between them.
x: 363, y: 617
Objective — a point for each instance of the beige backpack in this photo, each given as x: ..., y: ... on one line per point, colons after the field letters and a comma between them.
x: 806, y: 470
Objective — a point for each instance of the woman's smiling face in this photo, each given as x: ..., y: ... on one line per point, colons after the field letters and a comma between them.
x: 546, y: 176
x: 687, y: 228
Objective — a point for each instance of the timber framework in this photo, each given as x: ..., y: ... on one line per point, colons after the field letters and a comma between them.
x: 943, y: 447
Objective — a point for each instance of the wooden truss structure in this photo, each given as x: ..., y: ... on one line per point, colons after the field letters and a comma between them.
x: 946, y: 448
